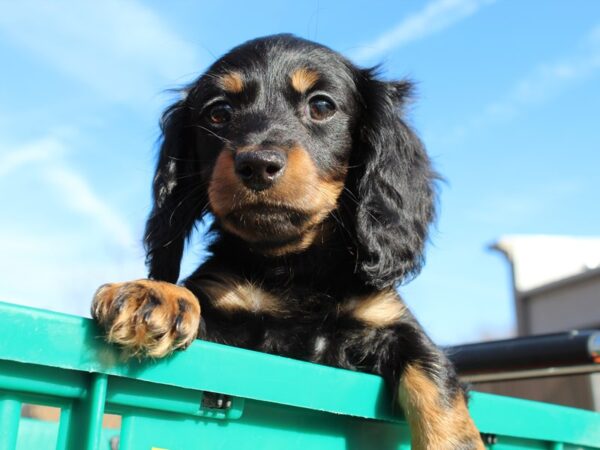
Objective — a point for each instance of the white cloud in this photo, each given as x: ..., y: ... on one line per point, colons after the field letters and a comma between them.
x: 436, y: 16
x: 120, y: 49
x: 544, y: 82
x: 41, y: 150
x: 78, y: 194
x: 510, y: 207
x: 48, y: 261
x: 60, y: 271
x: 74, y: 191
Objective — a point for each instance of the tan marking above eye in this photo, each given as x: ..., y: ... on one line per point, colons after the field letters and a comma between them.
x: 303, y: 79
x: 378, y: 310
x: 231, y: 82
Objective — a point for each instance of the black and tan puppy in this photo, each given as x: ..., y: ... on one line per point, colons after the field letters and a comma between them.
x: 321, y: 197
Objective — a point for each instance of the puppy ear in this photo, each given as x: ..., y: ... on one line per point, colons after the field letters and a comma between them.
x: 395, y: 186
x: 178, y: 197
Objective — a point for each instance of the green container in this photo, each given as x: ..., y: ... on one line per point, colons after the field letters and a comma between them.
x: 277, y: 403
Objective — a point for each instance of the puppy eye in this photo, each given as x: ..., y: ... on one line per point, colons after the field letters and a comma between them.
x: 219, y: 113
x: 321, y: 108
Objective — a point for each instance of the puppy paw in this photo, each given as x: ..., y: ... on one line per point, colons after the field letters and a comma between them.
x: 146, y: 317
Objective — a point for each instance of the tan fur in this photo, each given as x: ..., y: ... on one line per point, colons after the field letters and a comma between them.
x: 232, y: 294
x: 434, y: 426
x: 232, y: 82
x: 302, y: 180
x: 301, y: 187
x: 305, y: 241
x: 378, y: 310
x: 224, y: 184
x: 156, y: 334
x: 303, y: 79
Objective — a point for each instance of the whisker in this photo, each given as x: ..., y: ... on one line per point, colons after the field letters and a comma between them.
x: 351, y: 194
x: 186, y: 225
x: 174, y: 158
x: 190, y: 175
x: 208, y: 130
x: 193, y: 191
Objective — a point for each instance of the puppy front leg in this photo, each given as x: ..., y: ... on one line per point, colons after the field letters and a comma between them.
x: 438, y: 416
x: 391, y: 343
x: 430, y: 394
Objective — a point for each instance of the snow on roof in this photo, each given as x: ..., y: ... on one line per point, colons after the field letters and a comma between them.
x: 538, y: 260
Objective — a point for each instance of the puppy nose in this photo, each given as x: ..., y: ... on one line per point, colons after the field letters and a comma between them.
x: 259, y: 169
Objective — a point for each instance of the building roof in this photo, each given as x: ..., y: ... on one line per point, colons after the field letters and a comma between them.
x: 539, y: 260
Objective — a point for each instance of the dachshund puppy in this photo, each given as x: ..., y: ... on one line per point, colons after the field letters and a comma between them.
x: 321, y: 197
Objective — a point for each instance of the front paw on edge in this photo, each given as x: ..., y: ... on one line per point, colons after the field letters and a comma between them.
x: 147, y: 318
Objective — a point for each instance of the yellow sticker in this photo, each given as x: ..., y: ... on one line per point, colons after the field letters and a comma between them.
x: 156, y: 448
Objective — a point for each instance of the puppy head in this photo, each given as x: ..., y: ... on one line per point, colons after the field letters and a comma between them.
x: 279, y: 112
x: 268, y: 139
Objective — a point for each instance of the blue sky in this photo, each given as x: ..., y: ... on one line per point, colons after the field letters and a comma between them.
x: 508, y: 106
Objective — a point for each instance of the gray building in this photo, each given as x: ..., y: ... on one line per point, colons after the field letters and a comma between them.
x: 556, y: 286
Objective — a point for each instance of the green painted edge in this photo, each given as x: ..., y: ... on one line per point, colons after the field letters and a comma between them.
x: 47, y: 338
x: 507, y: 416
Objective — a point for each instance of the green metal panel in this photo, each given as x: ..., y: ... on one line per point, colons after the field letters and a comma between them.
x: 62, y: 440
x: 60, y: 360
x: 10, y: 412
x: 42, y: 435
x: 534, y: 420
x: 76, y: 344
x: 140, y: 394
x: 264, y: 426
x: 85, y: 418
x: 48, y: 381
x: 37, y: 435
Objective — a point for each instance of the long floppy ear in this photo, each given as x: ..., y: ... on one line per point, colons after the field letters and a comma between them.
x: 395, y: 186
x: 178, y: 196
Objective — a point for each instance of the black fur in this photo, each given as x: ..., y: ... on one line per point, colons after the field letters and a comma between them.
x: 374, y: 238
x: 391, y: 182
x: 394, y: 187
x: 177, y: 198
